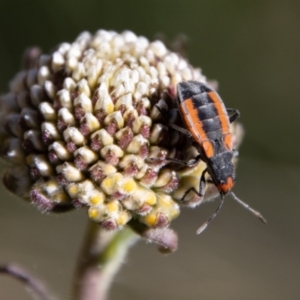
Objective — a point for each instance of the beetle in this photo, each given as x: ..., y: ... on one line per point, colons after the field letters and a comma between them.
x: 207, y: 122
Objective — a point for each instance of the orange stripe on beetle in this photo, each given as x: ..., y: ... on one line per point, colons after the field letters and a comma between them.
x: 221, y: 111
x: 208, y: 148
x: 191, y: 119
x: 227, y: 139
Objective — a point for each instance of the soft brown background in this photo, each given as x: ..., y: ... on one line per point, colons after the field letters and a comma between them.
x: 252, y: 48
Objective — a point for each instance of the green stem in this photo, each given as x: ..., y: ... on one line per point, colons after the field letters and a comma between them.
x: 100, y: 259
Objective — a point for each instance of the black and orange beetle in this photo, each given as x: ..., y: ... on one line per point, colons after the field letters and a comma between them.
x: 207, y: 122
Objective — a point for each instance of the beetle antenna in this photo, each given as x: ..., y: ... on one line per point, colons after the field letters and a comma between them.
x: 245, y: 205
x: 204, y: 225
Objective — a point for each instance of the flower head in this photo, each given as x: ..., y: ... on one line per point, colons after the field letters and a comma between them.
x: 82, y: 127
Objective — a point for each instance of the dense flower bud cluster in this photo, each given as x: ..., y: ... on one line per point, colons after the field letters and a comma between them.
x: 82, y: 128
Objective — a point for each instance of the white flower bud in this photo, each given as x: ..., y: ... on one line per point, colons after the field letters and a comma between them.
x: 47, y: 111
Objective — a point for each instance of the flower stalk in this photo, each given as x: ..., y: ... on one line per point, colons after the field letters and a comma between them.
x: 101, y: 257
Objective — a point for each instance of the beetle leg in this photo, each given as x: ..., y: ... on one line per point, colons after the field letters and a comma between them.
x: 235, y: 114
x: 180, y: 129
x: 210, y: 181
x: 163, y: 114
x: 202, y: 185
x: 171, y: 124
x: 189, y: 163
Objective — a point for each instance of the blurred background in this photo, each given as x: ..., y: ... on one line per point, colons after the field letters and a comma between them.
x: 252, y: 48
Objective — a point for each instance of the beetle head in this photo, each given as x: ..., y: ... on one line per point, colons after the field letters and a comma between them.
x: 225, y: 187
x: 221, y: 169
